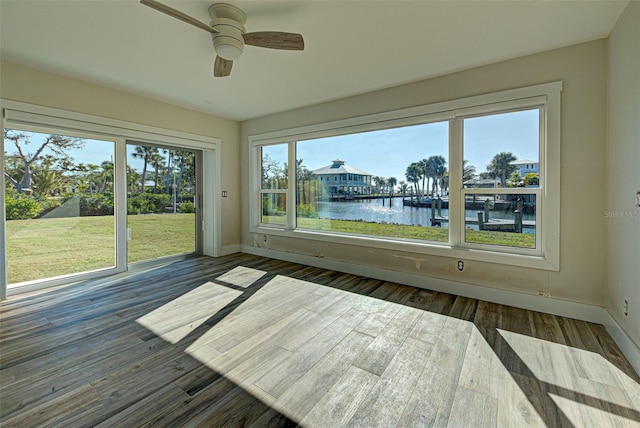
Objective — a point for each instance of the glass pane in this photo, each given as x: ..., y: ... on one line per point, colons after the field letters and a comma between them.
x: 274, y: 208
x: 507, y: 220
x: 161, y: 187
x: 389, y: 183
x: 502, y: 150
x: 274, y: 166
x: 59, y: 205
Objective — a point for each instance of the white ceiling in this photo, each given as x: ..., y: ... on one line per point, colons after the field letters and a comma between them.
x: 352, y: 47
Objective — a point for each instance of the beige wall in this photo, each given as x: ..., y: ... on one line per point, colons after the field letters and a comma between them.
x: 623, y: 240
x: 33, y: 86
x: 582, y: 68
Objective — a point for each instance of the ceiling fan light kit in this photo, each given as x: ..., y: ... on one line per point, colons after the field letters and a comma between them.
x: 228, y: 33
x: 229, y: 22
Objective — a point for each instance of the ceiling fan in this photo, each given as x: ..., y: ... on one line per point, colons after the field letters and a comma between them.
x: 229, y: 35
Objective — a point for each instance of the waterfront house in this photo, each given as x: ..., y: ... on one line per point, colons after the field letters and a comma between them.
x: 526, y: 166
x: 341, y: 179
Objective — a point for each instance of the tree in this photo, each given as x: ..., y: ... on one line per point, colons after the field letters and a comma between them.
x: 185, y: 161
x: 146, y: 154
x: 413, y: 175
x: 391, y: 181
x: 531, y: 179
x: 501, y: 166
x: 515, y: 180
x: 47, y: 177
x: 380, y: 182
x: 468, y: 171
x: 107, y: 175
x: 403, y: 187
x: 304, y: 177
x: 157, y: 162
x: 425, y: 173
x: 58, y: 145
x: 436, y: 169
x: 444, y: 183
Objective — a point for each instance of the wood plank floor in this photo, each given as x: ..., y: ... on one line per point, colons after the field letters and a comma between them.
x: 249, y: 341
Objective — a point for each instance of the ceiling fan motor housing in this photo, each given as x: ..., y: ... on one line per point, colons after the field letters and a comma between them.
x: 230, y: 22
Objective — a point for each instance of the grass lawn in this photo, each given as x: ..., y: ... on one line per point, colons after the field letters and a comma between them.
x: 434, y: 234
x: 45, y: 248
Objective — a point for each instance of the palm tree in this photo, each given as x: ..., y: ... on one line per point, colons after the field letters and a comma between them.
x: 107, y: 175
x: 403, y: 187
x: 146, y: 154
x: 425, y: 173
x: 380, y: 182
x: 157, y: 162
x: 468, y: 171
x: 435, y: 169
x: 46, y: 178
x: 391, y: 181
x: 413, y: 175
x: 501, y: 166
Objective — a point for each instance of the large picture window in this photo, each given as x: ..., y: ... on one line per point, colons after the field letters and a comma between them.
x: 476, y: 178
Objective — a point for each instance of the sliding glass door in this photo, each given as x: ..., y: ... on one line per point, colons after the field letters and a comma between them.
x: 162, y: 201
x: 85, y: 196
x: 59, y: 205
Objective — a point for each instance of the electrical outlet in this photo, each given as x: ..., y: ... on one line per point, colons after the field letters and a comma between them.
x: 460, y: 265
x: 264, y: 238
x: 625, y: 307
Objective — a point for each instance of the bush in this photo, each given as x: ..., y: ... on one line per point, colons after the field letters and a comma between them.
x: 96, y: 205
x: 307, y: 211
x: 148, y: 203
x: 21, y: 207
x: 186, y: 207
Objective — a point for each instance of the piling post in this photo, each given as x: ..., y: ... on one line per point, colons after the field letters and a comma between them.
x: 480, y: 220
x: 486, y: 210
x: 517, y: 226
x: 433, y: 211
x: 439, y: 207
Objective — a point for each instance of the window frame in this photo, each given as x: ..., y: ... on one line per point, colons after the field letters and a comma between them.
x: 545, y: 96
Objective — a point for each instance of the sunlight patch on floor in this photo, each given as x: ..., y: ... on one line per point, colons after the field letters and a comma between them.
x: 581, y: 383
x: 173, y: 321
x: 242, y: 276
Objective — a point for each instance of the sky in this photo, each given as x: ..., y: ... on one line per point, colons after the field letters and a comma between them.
x: 385, y: 153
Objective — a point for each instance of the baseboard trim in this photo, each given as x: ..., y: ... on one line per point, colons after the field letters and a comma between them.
x: 580, y: 311
x: 628, y: 347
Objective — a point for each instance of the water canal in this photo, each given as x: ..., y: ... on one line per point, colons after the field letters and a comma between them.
x: 375, y: 210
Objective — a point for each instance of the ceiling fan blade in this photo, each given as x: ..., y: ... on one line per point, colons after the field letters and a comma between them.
x: 222, y: 67
x: 177, y: 14
x: 275, y: 40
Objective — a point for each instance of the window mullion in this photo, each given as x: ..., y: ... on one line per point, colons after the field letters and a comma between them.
x: 456, y: 207
x: 292, y: 184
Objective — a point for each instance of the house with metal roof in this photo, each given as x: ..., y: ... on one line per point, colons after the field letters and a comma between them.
x: 341, y: 179
x: 525, y: 166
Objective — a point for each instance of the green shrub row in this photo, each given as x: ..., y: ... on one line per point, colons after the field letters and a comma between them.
x: 22, y: 207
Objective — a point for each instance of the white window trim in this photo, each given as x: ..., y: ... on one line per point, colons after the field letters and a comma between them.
x: 547, y: 254
x: 36, y: 118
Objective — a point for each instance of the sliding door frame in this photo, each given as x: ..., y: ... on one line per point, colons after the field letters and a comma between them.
x: 31, y: 117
